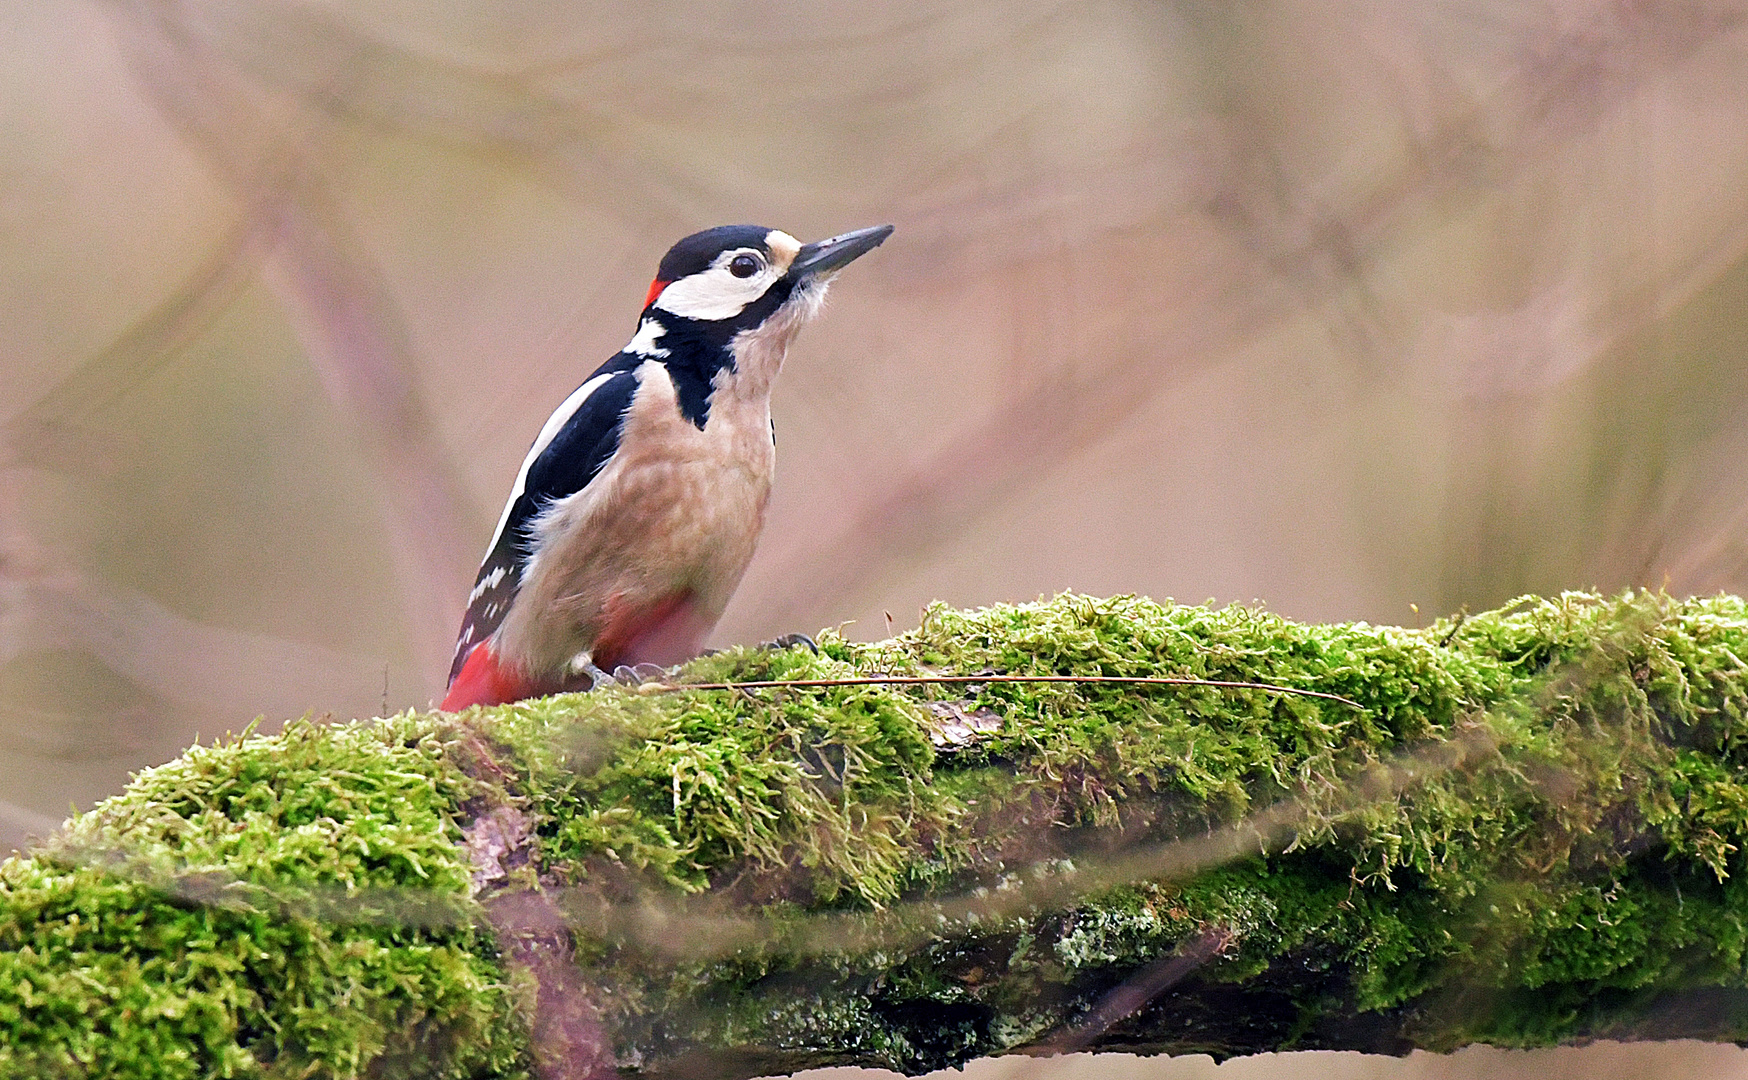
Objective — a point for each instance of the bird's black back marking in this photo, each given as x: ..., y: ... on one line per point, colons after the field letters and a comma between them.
x: 581, y: 447
x: 576, y: 454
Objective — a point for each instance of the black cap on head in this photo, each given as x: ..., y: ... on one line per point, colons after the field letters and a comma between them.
x: 697, y: 251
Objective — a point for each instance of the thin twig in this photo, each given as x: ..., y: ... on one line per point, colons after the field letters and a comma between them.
x: 1456, y: 624
x: 913, y: 680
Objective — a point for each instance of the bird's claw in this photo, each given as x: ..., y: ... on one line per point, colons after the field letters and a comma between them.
x: 597, y: 677
x: 637, y: 674
x: 789, y: 641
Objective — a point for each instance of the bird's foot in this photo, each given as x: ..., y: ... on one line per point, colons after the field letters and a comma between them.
x: 597, y: 677
x: 790, y: 641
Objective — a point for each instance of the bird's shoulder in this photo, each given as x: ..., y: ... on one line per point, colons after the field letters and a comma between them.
x: 573, y: 446
x: 581, y: 435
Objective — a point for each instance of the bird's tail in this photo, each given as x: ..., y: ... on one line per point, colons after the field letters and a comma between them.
x: 485, y: 679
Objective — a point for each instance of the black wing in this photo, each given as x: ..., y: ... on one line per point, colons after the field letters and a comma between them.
x: 575, y: 452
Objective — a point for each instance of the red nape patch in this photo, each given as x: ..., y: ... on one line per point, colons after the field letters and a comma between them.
x: 655, y: 290
x: 483, y: 680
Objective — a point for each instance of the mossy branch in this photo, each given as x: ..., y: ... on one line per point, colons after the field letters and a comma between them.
x: 1529, y: 830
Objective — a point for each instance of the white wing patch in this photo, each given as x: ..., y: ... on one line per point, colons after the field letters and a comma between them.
x: 554, y: 423
x: 488, y: 582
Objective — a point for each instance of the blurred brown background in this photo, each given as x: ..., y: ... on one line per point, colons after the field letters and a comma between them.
x: 1366, y: 309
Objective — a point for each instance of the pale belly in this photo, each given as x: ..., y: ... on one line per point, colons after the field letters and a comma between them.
x: 663, y: 533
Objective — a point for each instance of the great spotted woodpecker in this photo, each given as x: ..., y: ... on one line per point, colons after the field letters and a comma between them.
x: 639, y: 504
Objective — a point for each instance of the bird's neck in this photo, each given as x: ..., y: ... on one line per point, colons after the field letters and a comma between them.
x: 709, y: 361
x: 758, y: 353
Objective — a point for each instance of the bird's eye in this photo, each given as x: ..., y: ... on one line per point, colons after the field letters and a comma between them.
x: 744, y: 265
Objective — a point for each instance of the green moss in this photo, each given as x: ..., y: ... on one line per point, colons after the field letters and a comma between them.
x: 1531, y: 829
x: 833, y: 783
x: 132, y: 946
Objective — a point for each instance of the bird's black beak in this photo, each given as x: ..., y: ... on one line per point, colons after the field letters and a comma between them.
x: 814, y: 260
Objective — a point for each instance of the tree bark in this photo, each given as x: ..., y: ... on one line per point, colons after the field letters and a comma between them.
x: 1524, y: 827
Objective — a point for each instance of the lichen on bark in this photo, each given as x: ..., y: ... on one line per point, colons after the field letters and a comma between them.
x: 1526, y: 829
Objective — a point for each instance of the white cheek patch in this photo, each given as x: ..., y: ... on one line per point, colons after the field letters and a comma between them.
x: 714, y: 294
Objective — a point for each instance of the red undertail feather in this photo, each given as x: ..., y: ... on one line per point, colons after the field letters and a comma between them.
x: 669, y: 631
x: 484, y: 680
